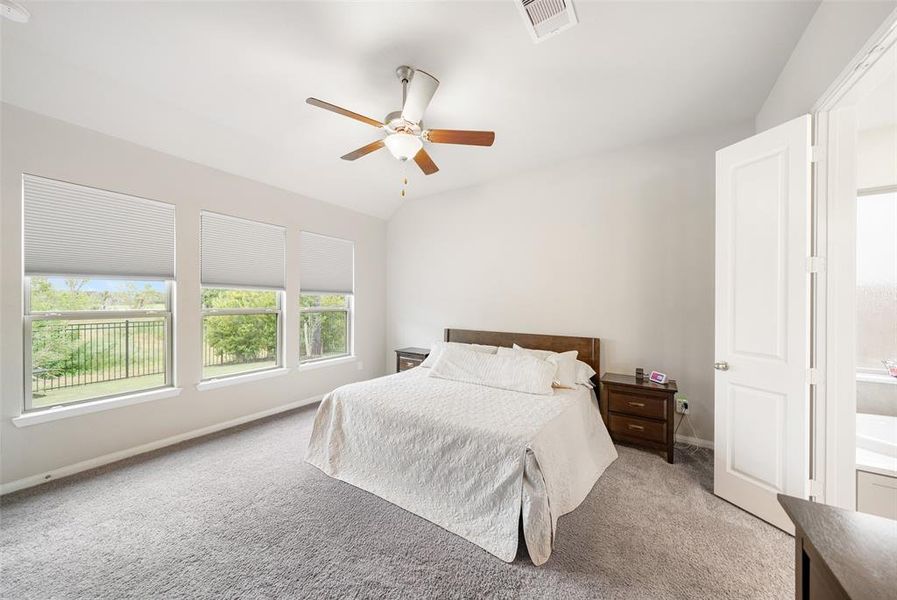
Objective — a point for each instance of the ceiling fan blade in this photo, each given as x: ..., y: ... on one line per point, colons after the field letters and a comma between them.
x: 420, y: 91
x: 458, y: 136
x: 425, y: 163
x: 342, y: 111
x: 364, y: 150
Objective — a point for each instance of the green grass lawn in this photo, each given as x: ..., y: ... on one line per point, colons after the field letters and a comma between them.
x: 324, y: 356
x: 77, y: 393
x: 87, y: 391
x: 223, y: 370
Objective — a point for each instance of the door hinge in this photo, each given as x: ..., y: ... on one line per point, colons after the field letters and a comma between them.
x: 815, y: 154
x: 814, y: 489
x: 814, y: 376
x: 815, y: 264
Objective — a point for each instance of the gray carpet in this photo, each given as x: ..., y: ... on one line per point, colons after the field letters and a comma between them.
x: 239, y: 515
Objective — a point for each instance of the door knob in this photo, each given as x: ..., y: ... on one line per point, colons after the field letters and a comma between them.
x: 721, y: 366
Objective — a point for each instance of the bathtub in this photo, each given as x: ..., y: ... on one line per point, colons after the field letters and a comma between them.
x: 878, y: 434
x: 877, y: 465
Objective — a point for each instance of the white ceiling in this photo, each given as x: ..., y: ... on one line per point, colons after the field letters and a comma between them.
x: 224, y: 84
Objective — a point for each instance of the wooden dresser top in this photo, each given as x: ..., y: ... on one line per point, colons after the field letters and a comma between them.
x: 860, y: 550
x: 412, y: 350
x: 645, y: 384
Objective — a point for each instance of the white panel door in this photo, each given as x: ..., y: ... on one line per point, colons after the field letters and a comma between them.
x: 762, y: 320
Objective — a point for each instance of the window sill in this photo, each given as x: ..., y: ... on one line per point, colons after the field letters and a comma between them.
x: 63, y: 412
x: 876, y: 378
x: 212, y: 384
x: 329, y: 362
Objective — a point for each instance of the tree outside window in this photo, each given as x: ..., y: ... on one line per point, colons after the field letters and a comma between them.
x: 325, y: 326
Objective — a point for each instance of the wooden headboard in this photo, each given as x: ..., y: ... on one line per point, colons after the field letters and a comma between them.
x: 589, y: 349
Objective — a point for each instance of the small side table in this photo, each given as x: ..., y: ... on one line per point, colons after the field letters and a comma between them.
x: 640, y: 412
x: 408, y: 358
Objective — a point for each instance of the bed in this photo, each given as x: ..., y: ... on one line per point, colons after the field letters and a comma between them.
x: 475, y: 460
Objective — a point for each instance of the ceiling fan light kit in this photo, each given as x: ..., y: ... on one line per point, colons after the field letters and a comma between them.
x: 405, y: 135
x: 403, y: 145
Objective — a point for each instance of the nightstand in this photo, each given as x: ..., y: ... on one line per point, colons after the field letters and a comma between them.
x: 408, y: 358
x: 639, y: 412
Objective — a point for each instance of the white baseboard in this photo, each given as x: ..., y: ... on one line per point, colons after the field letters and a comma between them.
x: 99, y: 461
x: 693, y: 441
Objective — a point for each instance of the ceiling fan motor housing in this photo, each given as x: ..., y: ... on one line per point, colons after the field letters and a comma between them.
x: 396, y: 124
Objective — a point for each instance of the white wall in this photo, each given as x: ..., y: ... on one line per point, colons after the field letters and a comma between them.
x: 877, y: 157
x: 618, y: 246
x: 835, y: 34
x: 35, y: 144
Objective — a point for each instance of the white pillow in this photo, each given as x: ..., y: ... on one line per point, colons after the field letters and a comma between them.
x: 566, y: 368
x: 584, y: 374
x: 543, y: 354
x: 517, y: 372
x: 437, y: 348
x: 564, y: 362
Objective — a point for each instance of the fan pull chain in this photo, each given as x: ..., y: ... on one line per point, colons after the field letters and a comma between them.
x: 404, y: 177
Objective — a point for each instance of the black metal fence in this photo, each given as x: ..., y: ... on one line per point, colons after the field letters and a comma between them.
x: 213, y: 358
x: 97, y: 352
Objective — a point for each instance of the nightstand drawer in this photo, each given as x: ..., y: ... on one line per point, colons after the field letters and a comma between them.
x: 639, y: 405
x: 408, y: 358
x: 406, y: 363
x: 633, y: 427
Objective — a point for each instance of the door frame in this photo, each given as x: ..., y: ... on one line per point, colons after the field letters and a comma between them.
x: 833, y: 299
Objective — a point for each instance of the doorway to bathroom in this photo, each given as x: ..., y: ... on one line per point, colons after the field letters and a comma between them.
x: 855, y: 284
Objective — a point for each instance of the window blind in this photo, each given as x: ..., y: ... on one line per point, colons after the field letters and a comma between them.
x: 78, y: 230
x: 326, y: 264
x: 237, y: 252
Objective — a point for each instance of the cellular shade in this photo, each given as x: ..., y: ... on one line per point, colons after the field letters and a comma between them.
x: 241, y: 253
x: 326, y: 264
x: 78, y: 230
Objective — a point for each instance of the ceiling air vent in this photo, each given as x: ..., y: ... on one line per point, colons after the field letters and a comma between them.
x: 545, y: 18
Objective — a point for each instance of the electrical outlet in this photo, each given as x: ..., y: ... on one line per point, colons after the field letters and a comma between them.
x: 360, y: 366
x: 682, y: 405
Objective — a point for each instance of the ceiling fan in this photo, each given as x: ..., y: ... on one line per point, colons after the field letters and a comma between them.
x: 405, y: 135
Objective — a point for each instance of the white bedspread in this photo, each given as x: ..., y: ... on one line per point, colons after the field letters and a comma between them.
x: 466, y: 457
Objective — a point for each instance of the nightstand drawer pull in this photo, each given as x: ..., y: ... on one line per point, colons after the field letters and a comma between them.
x: 639, y: 404
x: 636, y: 427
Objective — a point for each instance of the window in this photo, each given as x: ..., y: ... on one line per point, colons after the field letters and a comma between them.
x: 876, y: 280
x: 326, y: 299
x: 92, y: 338
x: 242, y: 295
x: 240, y: 330
x: 324, y: 326
x: 97, y: 293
